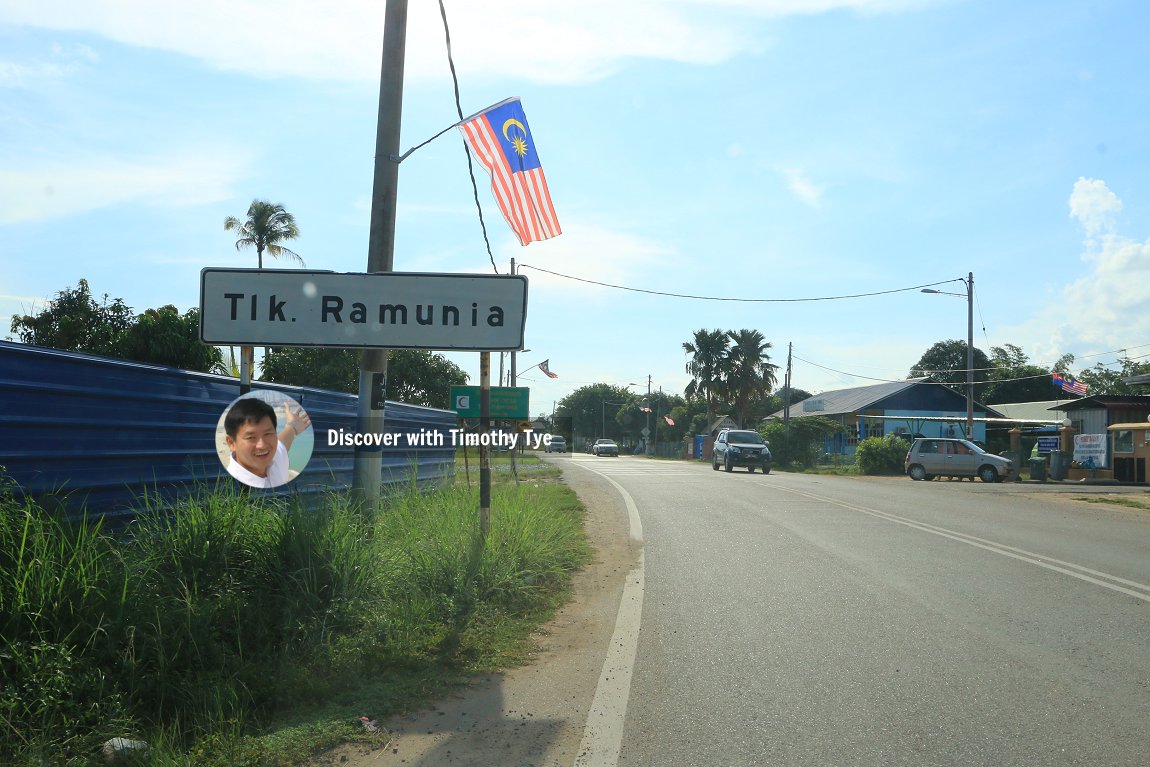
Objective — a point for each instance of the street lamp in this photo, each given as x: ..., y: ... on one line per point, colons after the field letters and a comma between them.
x: 969, y: 347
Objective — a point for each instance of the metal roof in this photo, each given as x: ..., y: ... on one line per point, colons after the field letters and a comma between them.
x: 846, y: 401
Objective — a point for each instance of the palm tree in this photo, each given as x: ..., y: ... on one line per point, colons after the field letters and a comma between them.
x: 266, y: 227
x: 748, y: 372
x: 708, y: 351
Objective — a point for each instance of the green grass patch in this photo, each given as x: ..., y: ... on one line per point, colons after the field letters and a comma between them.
x: 1115, y: 500
x: 232, y: 630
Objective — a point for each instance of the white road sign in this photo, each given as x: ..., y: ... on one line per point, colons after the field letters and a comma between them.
x: 396, y: 310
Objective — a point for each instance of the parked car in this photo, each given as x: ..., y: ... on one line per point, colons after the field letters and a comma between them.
x: 740, y: 447
x: 556, y: 444
x: 931, y: 457
x: 605, y: 447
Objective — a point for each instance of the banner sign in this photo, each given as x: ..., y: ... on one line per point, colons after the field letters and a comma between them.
x: 393, y: 310
x: 1089, y: 447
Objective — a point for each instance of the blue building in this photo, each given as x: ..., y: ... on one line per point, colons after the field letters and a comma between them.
x: 914, y: 407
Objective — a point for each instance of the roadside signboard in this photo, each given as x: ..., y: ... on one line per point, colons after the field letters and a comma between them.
x: 394, y: 310
x: 506, y: 401
x: 1090, y: 447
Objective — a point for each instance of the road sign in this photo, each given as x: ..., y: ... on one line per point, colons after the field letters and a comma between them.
x: 395, y: 310
x: 506, y: 401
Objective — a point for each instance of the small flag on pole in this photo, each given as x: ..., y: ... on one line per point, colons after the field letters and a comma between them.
x: 546, y: 370
x: 1069, y: 383
x: 667, y: 418
x: 645, y: 409
x: 501, y: 140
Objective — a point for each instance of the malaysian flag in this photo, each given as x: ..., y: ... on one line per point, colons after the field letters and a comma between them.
x: 547, y: 370
x: 500, y: 138
x: 1069, y: 383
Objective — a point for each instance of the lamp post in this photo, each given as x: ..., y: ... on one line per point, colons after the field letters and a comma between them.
x: 969, y: 347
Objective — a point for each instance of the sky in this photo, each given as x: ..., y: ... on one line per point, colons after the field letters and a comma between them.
x: 805, y: 166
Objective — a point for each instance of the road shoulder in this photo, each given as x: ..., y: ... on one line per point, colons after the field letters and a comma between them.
x: 535, y: 714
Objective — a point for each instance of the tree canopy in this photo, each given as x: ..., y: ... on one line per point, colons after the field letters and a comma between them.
x: 414, y: 376
x: 266, y: 227
x: 945, y: 362
x: 75, y: 321
x: 730, y: 367
x: 593, y: 409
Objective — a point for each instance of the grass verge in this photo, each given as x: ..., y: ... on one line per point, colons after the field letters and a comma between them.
x: 238, y: 631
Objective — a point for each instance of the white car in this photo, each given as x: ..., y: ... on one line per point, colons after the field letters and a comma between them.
x: 605, y: 447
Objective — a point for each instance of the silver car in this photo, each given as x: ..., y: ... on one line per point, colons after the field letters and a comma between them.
x: 931, y: 457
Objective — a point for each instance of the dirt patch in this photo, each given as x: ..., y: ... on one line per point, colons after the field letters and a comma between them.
x: 533, y: 715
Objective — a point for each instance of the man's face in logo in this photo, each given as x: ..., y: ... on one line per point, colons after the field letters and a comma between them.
x: 254, y: 446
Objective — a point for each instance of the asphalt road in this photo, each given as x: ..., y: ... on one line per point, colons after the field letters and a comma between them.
x: 796, y: 620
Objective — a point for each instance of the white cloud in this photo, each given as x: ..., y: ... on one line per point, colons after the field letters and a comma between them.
x: 543, y: 41
x: 1109, y: 307
x: 65, y: 188
x: 1094, y: 205
x: 803, y: 188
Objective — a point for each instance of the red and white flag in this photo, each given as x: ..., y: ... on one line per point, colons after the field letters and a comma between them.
x: 502, y: 142
x: 667, y: 418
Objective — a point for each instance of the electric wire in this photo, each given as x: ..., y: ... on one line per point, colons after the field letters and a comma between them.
x: 466, y: 149
x: 728, y: 298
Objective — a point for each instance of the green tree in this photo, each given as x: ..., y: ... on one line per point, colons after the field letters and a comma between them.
x: 708, y: 352
x: 266, y: 228
x: 414, y: 376
x: 1106, y: 381
x: 592, y: 410
x: 1013, y: 379
x: 421, y: 377
x: 165, y: 337
x: 945, y: 362
x: 74, y: 321
x: 747, y: 370
x: 800, y: 441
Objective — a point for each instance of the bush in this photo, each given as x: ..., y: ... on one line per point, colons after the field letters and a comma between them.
x: 199, y: 622
x: 881, y: 455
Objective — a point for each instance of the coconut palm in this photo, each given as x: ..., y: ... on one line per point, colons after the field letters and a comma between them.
x: 708, y: 351
x: 748, y: 372
x: 267, y: 226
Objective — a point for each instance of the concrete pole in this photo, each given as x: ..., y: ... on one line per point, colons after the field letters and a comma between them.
x: 970, y: 355
x: 381, y: 242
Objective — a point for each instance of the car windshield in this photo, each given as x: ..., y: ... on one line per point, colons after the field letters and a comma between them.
x: 745, y: 436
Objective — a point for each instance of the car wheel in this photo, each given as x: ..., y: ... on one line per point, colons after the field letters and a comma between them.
x: 917, y: 473
x: 750, y: 469
x: 988, y: 474
x: 714, y: 463
x: 766, y: 469
x: 727, y: 465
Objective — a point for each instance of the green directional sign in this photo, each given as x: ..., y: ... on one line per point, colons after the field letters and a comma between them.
x: 506, y: 401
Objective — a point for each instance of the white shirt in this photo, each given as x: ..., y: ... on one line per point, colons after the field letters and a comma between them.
x: 277, y: 472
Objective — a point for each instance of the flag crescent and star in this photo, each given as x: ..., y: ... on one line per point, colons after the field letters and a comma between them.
x: 501, y: 140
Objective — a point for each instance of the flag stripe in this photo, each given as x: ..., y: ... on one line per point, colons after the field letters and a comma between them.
x: 522, y: 195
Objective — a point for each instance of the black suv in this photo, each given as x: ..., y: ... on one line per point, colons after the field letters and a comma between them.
x: 740, y: 447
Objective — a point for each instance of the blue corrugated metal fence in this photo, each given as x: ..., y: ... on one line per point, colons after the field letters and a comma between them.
x: 100, y: 432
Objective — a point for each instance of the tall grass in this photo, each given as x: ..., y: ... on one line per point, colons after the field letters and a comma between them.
x: 203, y: 621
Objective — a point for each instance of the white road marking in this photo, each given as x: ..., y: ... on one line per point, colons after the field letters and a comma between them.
x: 1106, y: 580
x: 603, y: 733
